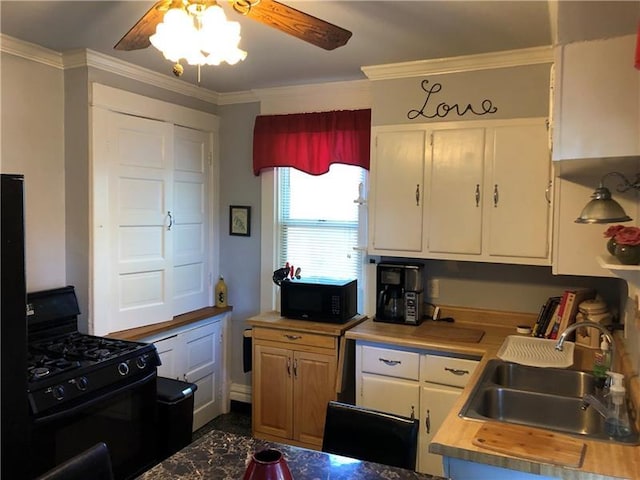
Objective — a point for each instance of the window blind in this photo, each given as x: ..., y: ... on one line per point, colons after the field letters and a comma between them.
x: 318, y: 222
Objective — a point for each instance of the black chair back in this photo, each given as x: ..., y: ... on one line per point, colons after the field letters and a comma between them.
x: 93, y: 464
x: 370, y: 435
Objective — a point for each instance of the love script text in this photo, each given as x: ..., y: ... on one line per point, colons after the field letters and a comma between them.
x: 443, y: 109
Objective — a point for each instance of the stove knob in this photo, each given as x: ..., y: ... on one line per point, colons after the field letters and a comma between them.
x: 123, y: 369
x: 141, y: 362
x: 58, y: 392
x: 82, y: 383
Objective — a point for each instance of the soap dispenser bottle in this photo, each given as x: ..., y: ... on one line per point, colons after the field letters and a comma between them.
x: 617, y: 423
x: 602, y: 363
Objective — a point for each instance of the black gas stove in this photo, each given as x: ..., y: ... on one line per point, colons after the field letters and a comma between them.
x: 66, y: 367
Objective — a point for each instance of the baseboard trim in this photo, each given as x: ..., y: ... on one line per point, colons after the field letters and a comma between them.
x: 240, y: 392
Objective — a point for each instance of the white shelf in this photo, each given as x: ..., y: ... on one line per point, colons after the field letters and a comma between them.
x: 612, y: 263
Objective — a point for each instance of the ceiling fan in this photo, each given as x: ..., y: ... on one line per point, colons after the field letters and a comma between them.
x: 269, y: 12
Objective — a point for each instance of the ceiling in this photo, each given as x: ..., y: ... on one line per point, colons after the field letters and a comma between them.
x: 383, y: 32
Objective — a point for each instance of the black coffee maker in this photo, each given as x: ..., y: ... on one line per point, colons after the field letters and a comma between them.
x: 399, y: 295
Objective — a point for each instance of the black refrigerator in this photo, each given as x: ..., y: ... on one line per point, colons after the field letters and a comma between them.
x: 14, y: 435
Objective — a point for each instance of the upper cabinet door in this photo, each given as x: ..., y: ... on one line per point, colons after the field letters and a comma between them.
x: 191, y: 211
x: 140, y: 164
x: 596, y: 100
x: 397, y: 191
x: 455, y: 191
x: 518, y: 191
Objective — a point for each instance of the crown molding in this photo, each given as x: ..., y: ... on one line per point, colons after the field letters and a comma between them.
x: 464, y: 63
x: 30, y: 51
x: 90, y: 58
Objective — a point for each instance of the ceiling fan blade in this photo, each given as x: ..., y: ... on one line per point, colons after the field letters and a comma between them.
x: 138, y: 37
x: 294, y: 22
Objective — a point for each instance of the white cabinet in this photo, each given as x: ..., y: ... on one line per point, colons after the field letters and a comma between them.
x: 195, y: 354
x: 442, y: 381
x: 413, y: 384
x: 397, y: 190
x: 485, y: 186
x: 596, y: 100
x: 152, y: 221
x: 456, y: 183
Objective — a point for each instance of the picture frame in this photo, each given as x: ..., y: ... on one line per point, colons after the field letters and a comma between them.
x: 240, y: 220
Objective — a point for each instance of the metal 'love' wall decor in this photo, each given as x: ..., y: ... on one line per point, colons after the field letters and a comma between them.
x: 443, y: 109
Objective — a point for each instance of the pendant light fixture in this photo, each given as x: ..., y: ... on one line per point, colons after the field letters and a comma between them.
x: 200, y: 34
x: 604, y: 209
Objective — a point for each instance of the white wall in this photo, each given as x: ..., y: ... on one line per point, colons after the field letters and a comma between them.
x: 239, y: 256
x: 32, y: 144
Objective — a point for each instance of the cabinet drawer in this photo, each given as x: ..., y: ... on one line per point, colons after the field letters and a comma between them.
x: 393, y: 363
x: 447, y: 370
x: 294, y: 337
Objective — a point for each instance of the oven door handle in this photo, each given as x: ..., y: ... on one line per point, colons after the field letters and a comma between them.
x: 101, y: 398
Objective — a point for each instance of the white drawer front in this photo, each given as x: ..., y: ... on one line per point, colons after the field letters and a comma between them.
x: 447, y: 370
x: 393, y: 363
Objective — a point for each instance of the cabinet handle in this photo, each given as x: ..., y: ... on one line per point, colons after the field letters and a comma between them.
x: 289, y: 366
x: 496, y: 195
x: 417, y: 195
x: 170, y: 220
x: 295, y: 368
x: 477, y: 194
x: 184, y: 377
x: 427, y: 421
x: 456, y: 371
x: 391, y: 363
x: 547, y: 192
x: 293, y: 337
x: 413, y: 412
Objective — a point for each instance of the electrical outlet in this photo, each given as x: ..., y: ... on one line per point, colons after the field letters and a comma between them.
x: 434, y: 288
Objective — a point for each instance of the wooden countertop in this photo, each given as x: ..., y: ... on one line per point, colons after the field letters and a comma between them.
x: 275, y: 320
x: 177, y: 321
x: 602, y: 460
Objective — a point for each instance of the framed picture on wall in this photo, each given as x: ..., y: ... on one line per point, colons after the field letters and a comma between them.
x: 240, y: 220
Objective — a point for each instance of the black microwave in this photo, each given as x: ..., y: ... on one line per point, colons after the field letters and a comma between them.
x: 319, y: 299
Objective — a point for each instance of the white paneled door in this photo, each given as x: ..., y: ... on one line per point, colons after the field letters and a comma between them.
x: 190, y: 226
x: 140, y: 195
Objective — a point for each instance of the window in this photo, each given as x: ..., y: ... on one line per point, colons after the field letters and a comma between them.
x: 319, y: 224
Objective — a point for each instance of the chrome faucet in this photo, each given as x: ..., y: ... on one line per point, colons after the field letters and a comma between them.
x: 575, y: 326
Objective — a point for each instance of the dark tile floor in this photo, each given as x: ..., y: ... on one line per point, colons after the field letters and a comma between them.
x: 238, y: 421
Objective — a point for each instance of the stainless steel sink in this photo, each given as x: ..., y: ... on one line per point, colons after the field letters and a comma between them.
x: 547, y: 398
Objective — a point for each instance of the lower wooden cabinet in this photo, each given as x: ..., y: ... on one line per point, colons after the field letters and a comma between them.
x: 295, y: 375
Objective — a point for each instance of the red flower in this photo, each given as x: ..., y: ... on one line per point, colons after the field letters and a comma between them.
x: 612, y: 230
x: 628, y: 236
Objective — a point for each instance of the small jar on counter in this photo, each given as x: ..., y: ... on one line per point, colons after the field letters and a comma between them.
x: 594, y: 310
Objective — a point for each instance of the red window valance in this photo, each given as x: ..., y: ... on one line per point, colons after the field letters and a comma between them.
x: 311, y: 142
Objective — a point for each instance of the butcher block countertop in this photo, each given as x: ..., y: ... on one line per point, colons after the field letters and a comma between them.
x: 601, y: 460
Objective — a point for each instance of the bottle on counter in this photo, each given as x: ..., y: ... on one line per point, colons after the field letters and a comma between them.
x: 617, y: 422
x: 602, y: 363
x: 221, y: 293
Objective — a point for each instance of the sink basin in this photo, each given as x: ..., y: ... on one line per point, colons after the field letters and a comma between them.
x: 547, y: 398
x: 568, y: 383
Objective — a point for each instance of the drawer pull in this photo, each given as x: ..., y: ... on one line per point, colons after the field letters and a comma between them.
x: 293, y: 337
x: 456, y: 371
x: 413, y: 412
x: 391, y: 363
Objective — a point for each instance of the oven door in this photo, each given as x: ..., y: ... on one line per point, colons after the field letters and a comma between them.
x: 124, y: 418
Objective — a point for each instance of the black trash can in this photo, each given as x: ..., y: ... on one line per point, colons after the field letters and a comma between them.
x: 175, y: 415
